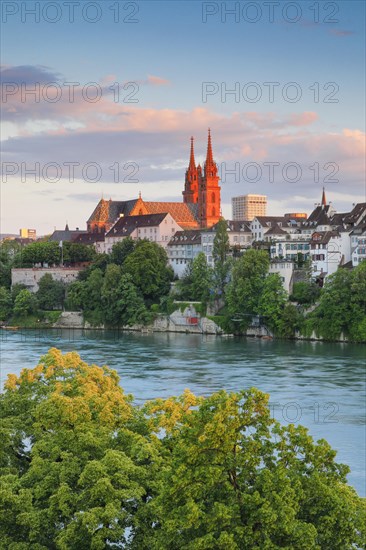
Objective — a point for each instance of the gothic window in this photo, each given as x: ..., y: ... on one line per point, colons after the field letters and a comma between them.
x: 213, y: 197
x: 213, y: 211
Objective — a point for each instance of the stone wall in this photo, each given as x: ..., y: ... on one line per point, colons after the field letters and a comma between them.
x: 30, y: 277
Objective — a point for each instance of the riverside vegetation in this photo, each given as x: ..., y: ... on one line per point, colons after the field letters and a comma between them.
x: 83, y: 467
x: 133, y: 284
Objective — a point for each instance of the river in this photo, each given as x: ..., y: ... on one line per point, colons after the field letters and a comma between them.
x: 319, y: 385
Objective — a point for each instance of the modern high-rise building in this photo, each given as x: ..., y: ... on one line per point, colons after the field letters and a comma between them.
x: 247, y: 207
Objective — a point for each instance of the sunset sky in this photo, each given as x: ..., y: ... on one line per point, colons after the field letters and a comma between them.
x: 158, y: 55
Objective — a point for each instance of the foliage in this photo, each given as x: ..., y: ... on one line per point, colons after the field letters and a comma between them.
x: 220, y: 253
x: 291, y: 320
x: 272, y: 301
x: 78, y: 481
x: 25, y: 304
x: 74, y: 253
x: 51, y: 293
x: 8, y: 251
x: 148, y: 267
x: 40, y: 253
x: 201, y: 279
x: 121, y: 250
x: 81, y: 467
x: 342, y: 306
x: 6, y: 303
x: 305, y: 293
x: 121, y: 300
x: 246, y: 285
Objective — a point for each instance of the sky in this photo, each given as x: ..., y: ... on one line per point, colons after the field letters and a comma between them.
x: 101, y: 99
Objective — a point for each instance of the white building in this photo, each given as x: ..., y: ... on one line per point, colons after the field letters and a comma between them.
x: 328, y: 251
x: 182, y: 248
x: 358, y: 245
x: 158, y: 228
x: 285, y: 269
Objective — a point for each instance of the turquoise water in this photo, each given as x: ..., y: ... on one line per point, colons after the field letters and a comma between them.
x: 319, y: 385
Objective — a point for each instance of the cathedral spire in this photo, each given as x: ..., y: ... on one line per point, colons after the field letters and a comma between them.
x: 324, y: 200
x: 209, y: 157
x: 192, y: 162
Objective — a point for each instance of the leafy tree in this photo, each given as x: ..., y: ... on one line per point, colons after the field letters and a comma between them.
x: 41, y: 253
x: 51, y: 293
x: 184, y: 284
x: 357, y: 329
x: 148, y: 267
x: 272, y: 301
x: 121, y: 250
x: 75, y: 296
x: 201, y: 279
x: 122, y: 302
x: 290, y: 321
x: 234, y: 478
x: 6, y: 303
x: 92, y: 298
x: 15, y: 289
x: 25, y: 304
x: 74, y: 253
x: 246, y: 285
x: 334, y: 312
x: 101, y: 262
x: 305, y: 293
x: 220, y: 253
x: 78, y: 480
x: 81, y: 467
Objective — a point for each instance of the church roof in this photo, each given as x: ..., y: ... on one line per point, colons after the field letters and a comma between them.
x: 109, y: 211
x: 184, y: 214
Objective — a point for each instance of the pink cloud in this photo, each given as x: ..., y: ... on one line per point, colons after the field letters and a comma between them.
x: 157, y: 80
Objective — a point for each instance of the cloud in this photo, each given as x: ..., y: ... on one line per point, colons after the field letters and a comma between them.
x: 339, y: 32
x: 157, y: 81
x: 28, y: 74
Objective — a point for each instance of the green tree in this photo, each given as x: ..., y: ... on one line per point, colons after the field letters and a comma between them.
x: 6, y: 303
x: 272, y: 301
x: 334, y: 314
x: 233, y: 478
x: 220, y: 251
x: 51, y: 293
x: 121, y: 250
x: 290, y: 321
x: 40, y: 253
x: 82, y: 467
x: 78, y: 480
x: 74, y: 253
x: 201, y: 279
x: 25, y: 304
x: 148, y: 267
x: 357, y: 328
x: 305, y: 293
x: 246, y: 285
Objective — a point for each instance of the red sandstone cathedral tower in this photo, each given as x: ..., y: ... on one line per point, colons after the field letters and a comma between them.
x: 203, y: 188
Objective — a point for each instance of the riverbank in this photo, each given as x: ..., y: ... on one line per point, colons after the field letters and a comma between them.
x: 164, y: 323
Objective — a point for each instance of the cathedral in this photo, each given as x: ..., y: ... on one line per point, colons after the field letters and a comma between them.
x: 200, y: 208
